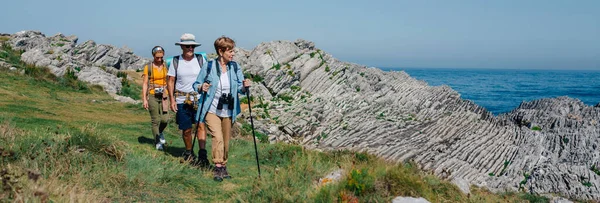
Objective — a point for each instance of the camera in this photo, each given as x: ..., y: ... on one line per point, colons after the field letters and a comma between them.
x: 225, y: 99
x: 158, y: 90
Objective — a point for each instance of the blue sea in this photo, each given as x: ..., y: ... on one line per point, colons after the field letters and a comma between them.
x: 502, y: 90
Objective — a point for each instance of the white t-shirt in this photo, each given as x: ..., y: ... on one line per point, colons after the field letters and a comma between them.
x: 187, y: 73
x: 223, y: 88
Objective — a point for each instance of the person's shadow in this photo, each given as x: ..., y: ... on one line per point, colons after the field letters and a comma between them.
x: 173, y: 151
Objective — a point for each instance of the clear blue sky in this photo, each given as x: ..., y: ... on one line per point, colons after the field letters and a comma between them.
x: 551, y: 34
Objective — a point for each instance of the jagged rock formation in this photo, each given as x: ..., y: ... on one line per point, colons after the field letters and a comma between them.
x: 91, y: 62
x: 308, y: 97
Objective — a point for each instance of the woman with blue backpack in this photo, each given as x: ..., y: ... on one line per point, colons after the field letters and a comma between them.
x: 221, y: 85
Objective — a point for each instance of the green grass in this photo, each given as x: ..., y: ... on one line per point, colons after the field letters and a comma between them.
x: 61, y: 144
x: 536, y: 128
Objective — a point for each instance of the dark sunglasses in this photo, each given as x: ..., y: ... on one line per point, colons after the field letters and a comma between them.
x: 188, y: 46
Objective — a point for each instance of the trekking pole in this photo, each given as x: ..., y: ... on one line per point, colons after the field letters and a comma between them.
x: 198, y: 121
x: 252, y: 124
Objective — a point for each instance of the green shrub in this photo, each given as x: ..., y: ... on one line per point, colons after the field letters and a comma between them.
x: 536, y: 128
x: 524, y: 181
x: 312, y: 55
x: 362, y: 74
x: 326, y: 68
x: 358, y: 89
x: 291, y: 73
x: 122, y: 74
x: 276, y: 66
x: 359, y: 182
x: 257, y: 78
x: 244, y: 100
x: 295, y: 88
x: 534, y: 198
x: 506, y: 163
x: 247, y: 131
x: 4, y: 39
x: 595, y: 169
x: 129, y: 89
x: 285, y: 97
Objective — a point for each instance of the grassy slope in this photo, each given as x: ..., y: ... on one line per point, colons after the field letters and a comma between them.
x: 86, y: 147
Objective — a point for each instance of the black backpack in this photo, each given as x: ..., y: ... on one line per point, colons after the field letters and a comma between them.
x: 175, y: 61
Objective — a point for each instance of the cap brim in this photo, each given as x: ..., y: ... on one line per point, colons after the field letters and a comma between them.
x: 187, y: 43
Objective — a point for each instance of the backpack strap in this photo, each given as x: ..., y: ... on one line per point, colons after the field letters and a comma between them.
x: 149, y: 66
x: 175, y: 62
x: 235, y: 69
x: 208, y: 69
x: 200, y: 59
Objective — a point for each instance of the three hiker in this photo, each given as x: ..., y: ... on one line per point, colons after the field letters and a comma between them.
x: 191, y: 81
x: 222, y: 83
x: 183, y: 71
x: 154, y: 95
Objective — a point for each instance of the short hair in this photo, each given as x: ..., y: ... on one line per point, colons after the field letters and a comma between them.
x: 224, y: 43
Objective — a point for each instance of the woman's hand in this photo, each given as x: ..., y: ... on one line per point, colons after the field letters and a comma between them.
x: 145, y: 104
x: 205, y: 87
x: 246, y: 83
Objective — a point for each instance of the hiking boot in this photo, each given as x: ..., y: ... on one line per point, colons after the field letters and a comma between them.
x: 224, y: 173
x: 161, y: 139
x: 217, y: 173
x: 188, y: 156
x: 203, y: 159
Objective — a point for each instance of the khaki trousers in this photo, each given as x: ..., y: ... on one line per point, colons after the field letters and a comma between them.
x: 159, y: 116
x: 220, y: 129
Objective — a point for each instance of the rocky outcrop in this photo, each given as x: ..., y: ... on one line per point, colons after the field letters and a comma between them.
x: 306, y: 96
x: 89, y: 60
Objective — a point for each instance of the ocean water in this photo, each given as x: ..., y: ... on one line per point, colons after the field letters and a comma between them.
x: 501, y: 91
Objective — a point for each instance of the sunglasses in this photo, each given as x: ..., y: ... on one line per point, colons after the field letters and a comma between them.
x: 188, y: 46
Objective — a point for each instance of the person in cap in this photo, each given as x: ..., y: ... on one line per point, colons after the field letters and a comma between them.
x: 183, y: 71
x: 154, y: 95
x: 222, y: 82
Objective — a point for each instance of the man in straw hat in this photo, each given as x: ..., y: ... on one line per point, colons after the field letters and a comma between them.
x: 183, y: 71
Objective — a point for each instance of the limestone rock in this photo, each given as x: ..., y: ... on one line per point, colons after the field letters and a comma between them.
x: 60, y: 52
x: 544, y: 146
x: 462, y: 184
x: 409, y: 200
x: 97, y: 76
